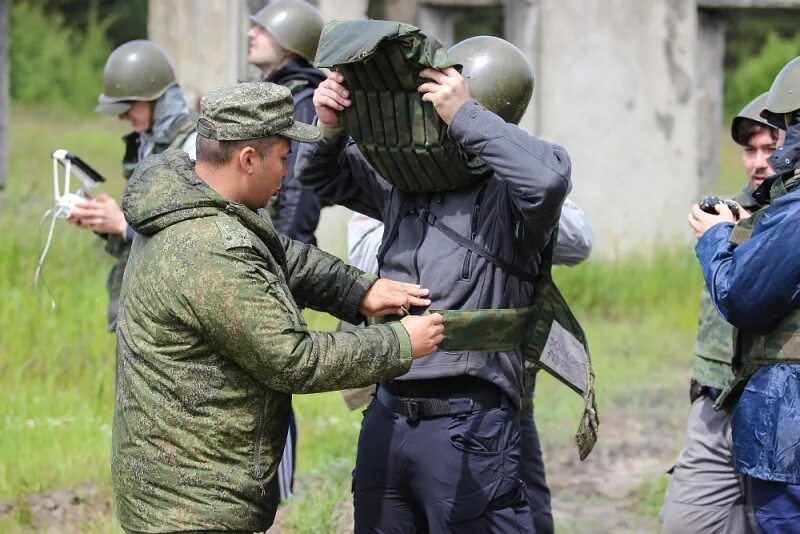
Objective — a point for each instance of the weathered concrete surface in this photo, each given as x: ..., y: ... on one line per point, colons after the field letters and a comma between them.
x: 709, y: 85
x: 737, y: 4
x: 205, y: 40
x: 617, y: 91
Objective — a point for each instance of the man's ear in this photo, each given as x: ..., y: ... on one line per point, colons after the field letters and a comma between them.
x: 248, y: 159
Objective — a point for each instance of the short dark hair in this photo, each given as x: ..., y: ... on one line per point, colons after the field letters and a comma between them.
x: 218, y: 153
x: 751, y: 128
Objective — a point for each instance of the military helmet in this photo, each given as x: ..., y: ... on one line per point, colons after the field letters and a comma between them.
x: 136, y: 70
x: 784, y: 95
x: 295, y: 25
x: 750, y: 114
x: 498, y: 75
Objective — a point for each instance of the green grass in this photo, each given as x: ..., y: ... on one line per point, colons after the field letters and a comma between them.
x: 57, y: 369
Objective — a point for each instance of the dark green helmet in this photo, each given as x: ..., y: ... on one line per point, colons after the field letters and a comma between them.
x: 295, y: 25
x: 750, y: 114
x: 498, y: 74
x: 136, y: 70
x: 784, y: 95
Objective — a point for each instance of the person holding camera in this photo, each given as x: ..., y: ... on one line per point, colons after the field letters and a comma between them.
x: 705, y: 493
x: 752, y: 271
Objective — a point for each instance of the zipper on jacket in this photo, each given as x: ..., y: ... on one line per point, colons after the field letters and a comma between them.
x: 423, y: 213
x: 257, y: 471
x: 476, y: 211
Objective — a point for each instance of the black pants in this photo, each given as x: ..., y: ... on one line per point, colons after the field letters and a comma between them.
x: 454, y: 473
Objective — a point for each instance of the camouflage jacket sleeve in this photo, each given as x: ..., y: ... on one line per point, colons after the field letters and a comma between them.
x: 338, y: 173
x: 536, y: 172
x: 323, y: 282
x: 254, y: 321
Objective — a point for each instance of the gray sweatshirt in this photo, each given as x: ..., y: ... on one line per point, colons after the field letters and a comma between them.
x: 512, y: 213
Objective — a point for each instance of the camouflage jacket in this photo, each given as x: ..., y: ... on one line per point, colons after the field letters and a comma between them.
x: 210, y: 345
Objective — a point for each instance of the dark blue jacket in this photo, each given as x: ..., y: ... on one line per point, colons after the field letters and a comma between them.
x: 754, y: 286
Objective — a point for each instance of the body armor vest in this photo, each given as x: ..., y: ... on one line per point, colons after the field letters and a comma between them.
x: 782, y: 343
x: 401, y: 136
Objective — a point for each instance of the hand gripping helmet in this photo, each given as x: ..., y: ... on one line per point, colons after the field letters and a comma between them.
x: 295, y: 24
x: 784, y: 95
x: 136, y: 70
x: 498, y: 75
x: 750, y: 114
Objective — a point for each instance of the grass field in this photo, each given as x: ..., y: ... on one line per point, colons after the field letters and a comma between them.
x: 57, y: 374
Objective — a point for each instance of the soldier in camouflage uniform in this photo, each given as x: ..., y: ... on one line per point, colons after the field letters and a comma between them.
x: 139, y: 87
x: 705, y: 493
x: 211, y: 341
x: 283, y: 41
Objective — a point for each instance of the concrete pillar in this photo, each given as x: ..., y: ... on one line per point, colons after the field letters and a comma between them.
x: 522, y: 28
x: 403, y: 11
x: 4, y: 93
x: 617, y: 90
x: 205, y: 55
x: 709, y: 86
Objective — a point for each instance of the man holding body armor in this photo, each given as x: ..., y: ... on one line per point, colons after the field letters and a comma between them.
x: 211, y: 341
x: 706, y: 494
x: 139, y: 87
x: 752, y: 271
x: 439, y: 448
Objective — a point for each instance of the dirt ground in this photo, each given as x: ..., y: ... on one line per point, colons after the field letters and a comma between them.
x: 600, y: 495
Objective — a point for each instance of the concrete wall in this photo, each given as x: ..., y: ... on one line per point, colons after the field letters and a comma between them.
x: 615, y: 87
x: 709, y: 85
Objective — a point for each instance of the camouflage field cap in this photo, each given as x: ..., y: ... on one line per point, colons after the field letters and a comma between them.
x: 250, y: 111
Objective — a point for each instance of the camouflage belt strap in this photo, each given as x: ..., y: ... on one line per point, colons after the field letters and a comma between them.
x: 550, y: 339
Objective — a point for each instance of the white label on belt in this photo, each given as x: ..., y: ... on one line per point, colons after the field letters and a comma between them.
x: 565, y: 356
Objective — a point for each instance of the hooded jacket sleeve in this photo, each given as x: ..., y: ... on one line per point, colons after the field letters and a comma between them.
x: 338, y: 173
x: 536, y: 172
x: 756, y: 284
x: 574, y: 243
x: 252, y: 320
x: 323, y: 282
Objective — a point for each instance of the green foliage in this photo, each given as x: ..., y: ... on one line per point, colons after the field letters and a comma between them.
x: 754, y: 74
x: 52, y: 63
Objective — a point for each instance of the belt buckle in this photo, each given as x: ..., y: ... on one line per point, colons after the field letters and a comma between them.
x: 412, y: 410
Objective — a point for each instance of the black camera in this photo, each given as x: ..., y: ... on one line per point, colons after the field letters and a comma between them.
x: 708, y: 205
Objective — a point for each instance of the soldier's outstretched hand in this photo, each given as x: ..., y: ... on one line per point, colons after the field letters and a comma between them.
x: 331, y: 96
x: 447, y: 92
x: 389, y: 297
x: 426, y: 333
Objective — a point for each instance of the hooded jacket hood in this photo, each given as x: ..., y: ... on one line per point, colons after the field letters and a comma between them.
x: 165, y: 190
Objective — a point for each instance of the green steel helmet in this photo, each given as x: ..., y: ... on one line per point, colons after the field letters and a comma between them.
x: 784, y: 95
x: 498, y: 74
x: 136, y: 70
x: 750, y: 114
x: 295, y: 24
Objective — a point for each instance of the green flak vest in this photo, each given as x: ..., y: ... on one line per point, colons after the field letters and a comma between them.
x: 401, y: 136
x: 782, y: 343
x: 715, y: 343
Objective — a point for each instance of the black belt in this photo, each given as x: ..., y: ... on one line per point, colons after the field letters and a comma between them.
x: 414, y: 407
